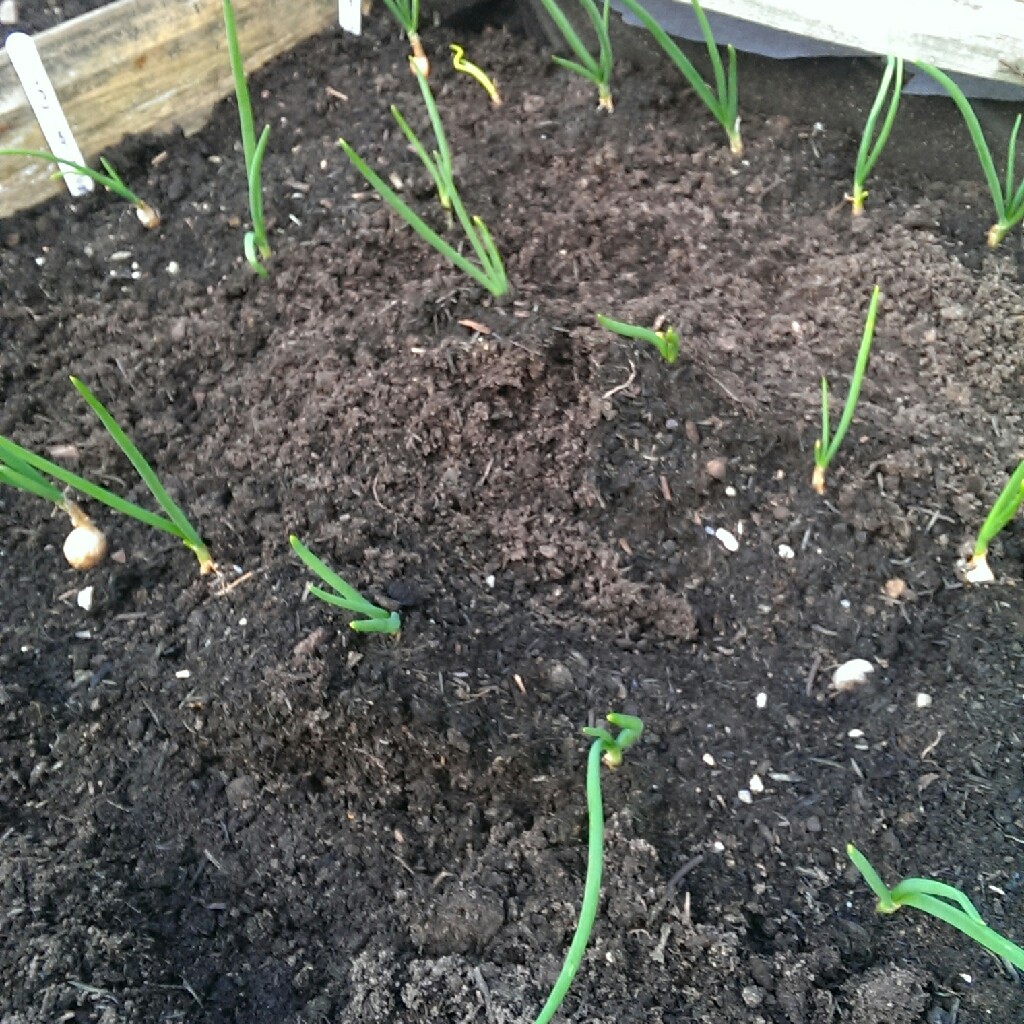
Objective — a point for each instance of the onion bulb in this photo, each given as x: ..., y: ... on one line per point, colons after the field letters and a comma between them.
x: 85, y: 546
x: 148, y: 216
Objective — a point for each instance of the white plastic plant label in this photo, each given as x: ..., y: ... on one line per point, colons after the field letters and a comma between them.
x: 350, y: 16
x: 43, y: 99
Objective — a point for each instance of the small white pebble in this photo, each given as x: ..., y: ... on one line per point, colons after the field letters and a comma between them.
x: 755, y: 784
x: 173, y: 268
x: 968, y: 980
x: 730, y: 491
x: 182, y: 673
x: 923, y: 700
x: 745, y: 796
x: 851, y: 674
x: 718, y: 846
x: 761, y: 701
x: 489, y: 580
x: 726, y: 539
x: 708, y: 760
x: 243, y: 621
x: 856, y: 734
x: 845, y: 604
x: 785, y: 551
x: 8, y: 13
x: 84, y: 598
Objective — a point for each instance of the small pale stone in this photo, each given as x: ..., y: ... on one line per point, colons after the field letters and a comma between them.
x: 84, y: 598
x: 786, y: 552
x: 851, y: 674
x: 708, y: 760
x: 856, y: 734
x: 761, y: 701
x: 716, y: 469
x: 745, y: 796
x: 755, y: 784
x: 727, y: 539
x: 895, y: 588
x: 923, y: 700
x: 8, y: 13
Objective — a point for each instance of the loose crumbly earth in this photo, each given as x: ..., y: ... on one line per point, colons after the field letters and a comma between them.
x: 218, y: 804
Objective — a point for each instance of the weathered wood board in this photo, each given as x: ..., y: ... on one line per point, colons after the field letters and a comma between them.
x: 140, y: 66
x: 984, y: 38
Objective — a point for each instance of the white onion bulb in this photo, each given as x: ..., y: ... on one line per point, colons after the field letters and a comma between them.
x: 85, y: 547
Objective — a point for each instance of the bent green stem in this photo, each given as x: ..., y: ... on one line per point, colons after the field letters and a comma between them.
x: 940, y: 901
x: 607, y: 749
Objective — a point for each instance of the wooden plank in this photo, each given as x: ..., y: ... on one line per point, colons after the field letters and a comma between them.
x: 984, y: 38
x: 140, y: 66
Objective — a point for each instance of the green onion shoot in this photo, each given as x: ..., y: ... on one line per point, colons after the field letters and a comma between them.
x: 939, y: 900
x: 342, y: 595
x: 255, y: 243
x: 665, y: 341
x: 1007, y: 197
x: 871, y: 146
x: 86, y: 546
x: 827, y: 445
x: 723, y: 100
x: 597, y: 70
x: 108, y: 178
x: 1005, y: 508
x: 609, y: 750
x: 488, y: 270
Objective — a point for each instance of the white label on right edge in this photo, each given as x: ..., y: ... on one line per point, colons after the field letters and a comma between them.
x: 350, y: 16
x: 43, y: 99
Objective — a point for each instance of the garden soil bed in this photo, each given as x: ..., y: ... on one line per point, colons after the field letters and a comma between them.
x: 219, y: 804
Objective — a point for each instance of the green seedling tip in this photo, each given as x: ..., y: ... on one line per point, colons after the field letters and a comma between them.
x: 665, y: 341
x: 609, y: 749
x: 375, y: 620
x: 939, y: 900
x: 108, y: 179
x: 827, y: 445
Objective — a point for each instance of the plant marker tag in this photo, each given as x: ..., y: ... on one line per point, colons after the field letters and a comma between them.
x: 28, y: 66
x: 350, y: 16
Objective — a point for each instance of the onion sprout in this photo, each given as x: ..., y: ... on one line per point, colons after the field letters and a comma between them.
x: 940, y: 900
x: 407, y: 14
x: 489, y: 271
x: 467, y: 67
x: 869, y: 152
x: 1007, y: 198
x: 594, y: 69
x: 255, y: 243
x: 1005, y: 508
x: 26, y: 471
x: 108, y: 178
x: 665, y: 341
x: 609, y: 750
x: 827, y: 445
x: 723, y: 101
x: 376, y: 620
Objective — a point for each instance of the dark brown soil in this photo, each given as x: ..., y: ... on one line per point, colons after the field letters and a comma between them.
x: 219, y: 804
